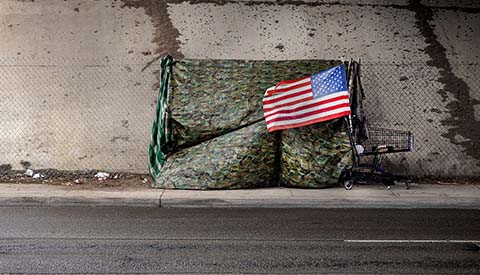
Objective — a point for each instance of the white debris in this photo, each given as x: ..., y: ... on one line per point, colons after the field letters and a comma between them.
x: 38, y: 176
x: 102, y: 175
x: 359, y: 149
x: 78, y: 181
x: 29, y: 173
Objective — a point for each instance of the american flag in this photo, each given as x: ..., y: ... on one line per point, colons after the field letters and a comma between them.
x: 295, y: 103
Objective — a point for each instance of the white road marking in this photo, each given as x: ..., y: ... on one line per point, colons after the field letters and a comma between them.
x: 412, y: 241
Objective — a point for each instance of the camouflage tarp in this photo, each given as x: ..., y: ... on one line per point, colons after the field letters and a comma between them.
x: 239, y: 159
x: 209, y: 131
x: 315, y: 155
x: 211, y: 97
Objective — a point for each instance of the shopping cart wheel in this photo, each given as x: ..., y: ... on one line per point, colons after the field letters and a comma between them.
x: 348, y: 184
x: 388, y: 179
x: 407, y: 184
x: 346, y: 179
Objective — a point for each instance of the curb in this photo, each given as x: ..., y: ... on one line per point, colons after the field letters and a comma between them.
x: 33, y: 201
x: 422, y: 196
x: 78, y: 202
x: 41, y: 195
x: 311, y: 203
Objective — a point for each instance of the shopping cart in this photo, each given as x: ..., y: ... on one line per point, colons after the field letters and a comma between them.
x: 368, y: 143
x: 378, y: 141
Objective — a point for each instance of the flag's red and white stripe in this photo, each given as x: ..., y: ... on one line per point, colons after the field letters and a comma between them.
x: 291, y: 104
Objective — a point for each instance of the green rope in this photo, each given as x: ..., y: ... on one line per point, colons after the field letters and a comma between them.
x: 160, y: 129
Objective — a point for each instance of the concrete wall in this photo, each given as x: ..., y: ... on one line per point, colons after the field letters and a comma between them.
x: 73, y: 94
x: 116, y: 39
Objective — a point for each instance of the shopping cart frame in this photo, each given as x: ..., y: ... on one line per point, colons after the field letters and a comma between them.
x: 380, y: 141
x: 369, y: 142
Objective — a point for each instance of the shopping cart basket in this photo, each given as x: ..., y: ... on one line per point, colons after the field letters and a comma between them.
x: 379, y: 141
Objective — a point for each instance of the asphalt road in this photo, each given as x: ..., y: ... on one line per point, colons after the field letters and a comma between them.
x: 147, y: 240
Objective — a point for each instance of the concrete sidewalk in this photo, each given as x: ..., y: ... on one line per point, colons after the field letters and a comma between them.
x: 361, y: 196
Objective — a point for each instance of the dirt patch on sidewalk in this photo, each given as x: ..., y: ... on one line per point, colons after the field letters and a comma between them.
x: 80, y: 181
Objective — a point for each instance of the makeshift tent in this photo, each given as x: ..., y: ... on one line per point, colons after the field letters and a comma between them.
x: 209, y: 131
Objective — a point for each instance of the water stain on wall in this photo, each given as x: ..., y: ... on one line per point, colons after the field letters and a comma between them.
x: 165, y: 36
x: 462, y: 113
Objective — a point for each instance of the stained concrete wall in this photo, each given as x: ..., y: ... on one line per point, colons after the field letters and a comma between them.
x: 121, y: 37
x: 73, y: 95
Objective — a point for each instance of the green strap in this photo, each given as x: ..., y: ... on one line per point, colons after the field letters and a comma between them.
x: 160, y: 129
